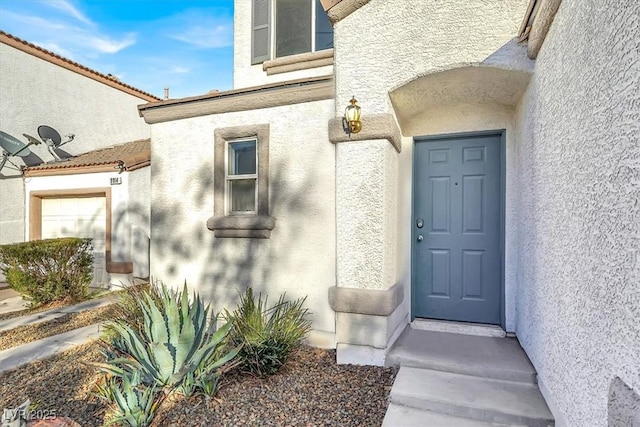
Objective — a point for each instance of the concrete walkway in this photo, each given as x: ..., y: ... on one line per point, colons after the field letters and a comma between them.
x: 11, y: 300
x: 54, y: 313
x: 15, y: 357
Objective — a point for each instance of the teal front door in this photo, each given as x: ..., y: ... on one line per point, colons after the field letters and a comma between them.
x: 456, y: 231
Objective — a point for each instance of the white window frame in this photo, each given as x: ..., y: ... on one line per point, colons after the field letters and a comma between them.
x: 229, y: 178
x: 275, y: 25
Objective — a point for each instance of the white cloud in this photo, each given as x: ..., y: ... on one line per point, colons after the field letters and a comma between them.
x: 106, y: 45
x: 70, y: 9
x: 52, y: 33
x: 207, y: 37
x: 210, y: 28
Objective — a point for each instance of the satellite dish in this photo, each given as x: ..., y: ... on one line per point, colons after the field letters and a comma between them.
x: 12, y: 146
x: 51, y: 136
x: 49, y: 133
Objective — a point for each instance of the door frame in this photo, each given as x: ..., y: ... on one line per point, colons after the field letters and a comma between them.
x: 502, y: 133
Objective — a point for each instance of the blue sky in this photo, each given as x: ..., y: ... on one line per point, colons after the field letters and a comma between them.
x: 186, y: 45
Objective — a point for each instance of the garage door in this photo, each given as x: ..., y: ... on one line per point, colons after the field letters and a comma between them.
x: 79, y: 217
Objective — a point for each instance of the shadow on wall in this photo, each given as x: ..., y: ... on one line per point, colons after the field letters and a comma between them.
x: 129, y: 239
x: 227, y: 266
x: 623, y: 405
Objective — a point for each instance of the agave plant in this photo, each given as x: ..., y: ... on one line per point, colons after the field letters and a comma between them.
x: 135, y: 406
x: 175, y: 344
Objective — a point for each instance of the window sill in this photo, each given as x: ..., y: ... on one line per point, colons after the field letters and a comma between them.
x: 250, y: 226
x: 302, y: 61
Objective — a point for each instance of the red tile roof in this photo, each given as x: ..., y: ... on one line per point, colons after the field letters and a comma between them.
x: 131, y: 155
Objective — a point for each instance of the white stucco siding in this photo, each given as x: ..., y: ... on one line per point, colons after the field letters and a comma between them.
x: 138, y: 212
x: 298, y: 258
x: 366, y: 229
x: 245, y: 74
x: 412, y: 38
x: 11, y: 210
x: 35, y: 92
x: 578, y: 160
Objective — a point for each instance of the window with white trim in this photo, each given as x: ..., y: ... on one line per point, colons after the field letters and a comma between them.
x: 288, y: 27
x: 242, y: 177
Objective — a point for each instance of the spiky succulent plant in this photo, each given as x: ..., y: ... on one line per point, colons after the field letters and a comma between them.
x: 134, y: 405
x: 177, y: 342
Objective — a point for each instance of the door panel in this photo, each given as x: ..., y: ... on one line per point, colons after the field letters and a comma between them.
x: 457, y: 197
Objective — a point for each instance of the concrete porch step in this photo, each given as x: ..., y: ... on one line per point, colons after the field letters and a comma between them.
x: 470, y: 398
x: 488, y: 357
x: 404, y: 416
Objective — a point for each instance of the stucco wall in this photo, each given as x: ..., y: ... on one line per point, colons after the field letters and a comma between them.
x: 245, y: 74
x: 578, y: 160
x: 413, y: 38
x: 34, y: 92
x: 138, y: 213
x: 299, y: 258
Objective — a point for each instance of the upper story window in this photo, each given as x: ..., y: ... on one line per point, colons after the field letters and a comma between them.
x: 300, y: 26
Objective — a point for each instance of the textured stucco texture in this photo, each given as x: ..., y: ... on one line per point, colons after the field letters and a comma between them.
x: 413, y: 38
x: 578, y: 243
x: 299, y: 256
x: 35, y: 92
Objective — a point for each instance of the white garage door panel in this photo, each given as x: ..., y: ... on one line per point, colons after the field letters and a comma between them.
x: 78, y: 217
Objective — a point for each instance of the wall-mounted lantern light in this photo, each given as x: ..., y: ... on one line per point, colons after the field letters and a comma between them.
x: 352, y: 116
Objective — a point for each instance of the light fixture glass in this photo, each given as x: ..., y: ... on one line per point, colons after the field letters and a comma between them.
x: 352, y: 116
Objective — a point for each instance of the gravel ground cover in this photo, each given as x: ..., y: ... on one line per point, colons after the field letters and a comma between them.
x: 311, y: 390
x: 68, y: 322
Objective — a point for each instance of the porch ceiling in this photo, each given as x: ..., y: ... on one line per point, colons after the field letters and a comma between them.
x: 471, y: 84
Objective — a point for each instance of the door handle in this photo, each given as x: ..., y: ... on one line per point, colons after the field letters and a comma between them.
x: 420, y: 238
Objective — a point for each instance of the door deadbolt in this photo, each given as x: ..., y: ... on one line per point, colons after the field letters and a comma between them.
x: 420, y: 223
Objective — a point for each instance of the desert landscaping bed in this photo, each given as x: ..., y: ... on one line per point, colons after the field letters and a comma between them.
x: 311, y: 390
x: 27, y: 333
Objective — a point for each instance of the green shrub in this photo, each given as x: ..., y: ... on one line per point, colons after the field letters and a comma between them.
x: 49, y: 270
x: 267, y: 335
x: 177, y: 347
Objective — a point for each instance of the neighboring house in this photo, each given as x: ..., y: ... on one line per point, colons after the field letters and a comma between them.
x: 495, y: 180
x: 100, y: 188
